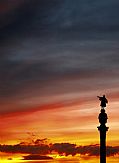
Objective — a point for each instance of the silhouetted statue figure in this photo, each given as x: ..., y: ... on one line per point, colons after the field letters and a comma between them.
x: 103, y: 117
x: 103, y: 100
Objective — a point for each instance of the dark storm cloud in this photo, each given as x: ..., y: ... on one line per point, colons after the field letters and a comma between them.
x: 22, y: 16
x: 42, y: 41
x: 55, y: 14
x: 34, y: 63
x: 37, y: 157
x: 60, y: 148
x: 86, y: 15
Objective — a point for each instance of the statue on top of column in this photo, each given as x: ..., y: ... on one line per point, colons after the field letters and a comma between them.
x: 103, y: 100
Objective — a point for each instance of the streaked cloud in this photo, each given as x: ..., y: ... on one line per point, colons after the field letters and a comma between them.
x: 59, y: 148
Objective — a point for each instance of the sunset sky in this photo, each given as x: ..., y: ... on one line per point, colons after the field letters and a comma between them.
x: 56, y: 56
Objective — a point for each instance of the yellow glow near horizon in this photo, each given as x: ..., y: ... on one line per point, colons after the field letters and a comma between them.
x: 71, y: 125
x: 12, y: 161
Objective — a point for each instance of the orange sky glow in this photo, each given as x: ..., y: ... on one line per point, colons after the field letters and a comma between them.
x: 73, y: 122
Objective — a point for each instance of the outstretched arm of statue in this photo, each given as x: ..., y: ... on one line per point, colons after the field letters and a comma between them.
x: 99, y: 97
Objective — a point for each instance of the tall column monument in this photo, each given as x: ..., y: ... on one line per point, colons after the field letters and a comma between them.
x: 102, y: 128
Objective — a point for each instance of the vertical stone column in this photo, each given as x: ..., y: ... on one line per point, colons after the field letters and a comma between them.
x: 102, y: 129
